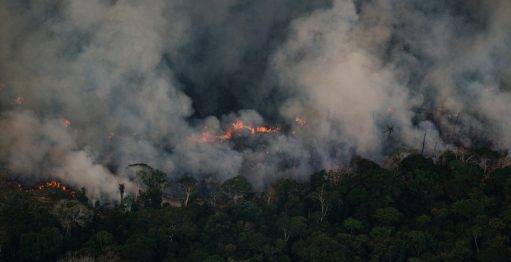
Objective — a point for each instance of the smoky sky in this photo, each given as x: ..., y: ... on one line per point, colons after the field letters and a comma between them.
x: 224, y: 65
x: 89, y: 87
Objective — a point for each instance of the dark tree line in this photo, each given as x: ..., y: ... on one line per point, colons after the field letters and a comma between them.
x: 456, y: 208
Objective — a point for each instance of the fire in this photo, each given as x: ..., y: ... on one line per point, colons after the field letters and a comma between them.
x: 205, y: 136
x: 57, y: 185
x: 300, y: 121
x: 50, y: 184
x: 238, y: 125
x: 65, y: 122
x: 263, y: 129
x: 19, y: 100
x: 235, y: 127
x: 226, y: 136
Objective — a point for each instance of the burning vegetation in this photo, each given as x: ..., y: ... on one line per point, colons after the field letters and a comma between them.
x: 239, y: 128
x: 57, y: 185
x: 52, y: 184
x: 236, y: 129
x: 19, y: 100
x: 65, y: 122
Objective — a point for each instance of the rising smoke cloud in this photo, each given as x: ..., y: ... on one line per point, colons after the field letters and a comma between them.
x: 88, y: 87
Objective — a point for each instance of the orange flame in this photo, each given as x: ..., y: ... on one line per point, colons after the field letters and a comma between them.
x: 263, y: 129
x: 226, y: 136
x: 235, y: 127
x: 300, y: 121
x: 239, y: 125
x: 50, y: 184
x: 65, y: 122
x: 57, y: 185
x: 205, y: 137
x: 19, y: 100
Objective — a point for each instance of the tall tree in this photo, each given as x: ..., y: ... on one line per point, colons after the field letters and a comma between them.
x: 153, y: 182
x: 72, y: 213
x: 189, y: 185
x: 236, y: 187
x: 121, y: 192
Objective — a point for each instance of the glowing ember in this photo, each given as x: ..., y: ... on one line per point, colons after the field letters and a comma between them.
x: 19, y: 100
x: 239, y: 125
x: 226, y: 136
x: 236, y: 127
x: 56, y: 185
x: 50, y: 184
x: 205, y: 137
x: 66, y: 122
x: 263, y: 129
x: 300, y: 121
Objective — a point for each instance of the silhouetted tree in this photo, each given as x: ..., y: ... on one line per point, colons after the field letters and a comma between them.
x: 236, y: 187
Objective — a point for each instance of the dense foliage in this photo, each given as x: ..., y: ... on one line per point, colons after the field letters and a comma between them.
x: 456, y: 208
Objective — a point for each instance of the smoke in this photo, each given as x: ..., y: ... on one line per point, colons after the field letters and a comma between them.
x: 89, y: 87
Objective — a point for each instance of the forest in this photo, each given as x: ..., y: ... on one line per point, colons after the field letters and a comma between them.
x: 453, y: 207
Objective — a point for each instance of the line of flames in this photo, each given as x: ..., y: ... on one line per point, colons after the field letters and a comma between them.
x: 238, y: 126
x: 49, y: 184
x: 235, y: 128
x: 205, y: 137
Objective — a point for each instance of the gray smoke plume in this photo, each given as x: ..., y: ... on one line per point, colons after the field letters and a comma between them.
x: 89, y: 87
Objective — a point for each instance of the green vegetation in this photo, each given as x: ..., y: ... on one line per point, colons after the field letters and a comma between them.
x: 457, y: 208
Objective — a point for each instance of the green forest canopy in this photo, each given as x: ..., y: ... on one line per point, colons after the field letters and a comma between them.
x: 456, y: 208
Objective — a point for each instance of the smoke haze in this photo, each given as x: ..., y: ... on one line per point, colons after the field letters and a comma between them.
x: 88, y: 87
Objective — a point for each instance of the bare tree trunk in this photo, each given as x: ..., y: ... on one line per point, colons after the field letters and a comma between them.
x: 323, y: 202
x: 423, y: 143
x: 67, y: 226
x: 324, y: 211
x: 187, y: 198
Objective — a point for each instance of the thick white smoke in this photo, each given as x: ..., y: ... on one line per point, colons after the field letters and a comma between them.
x: 94, y: 64
x: 334, y: 63
x: 87, y: 85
